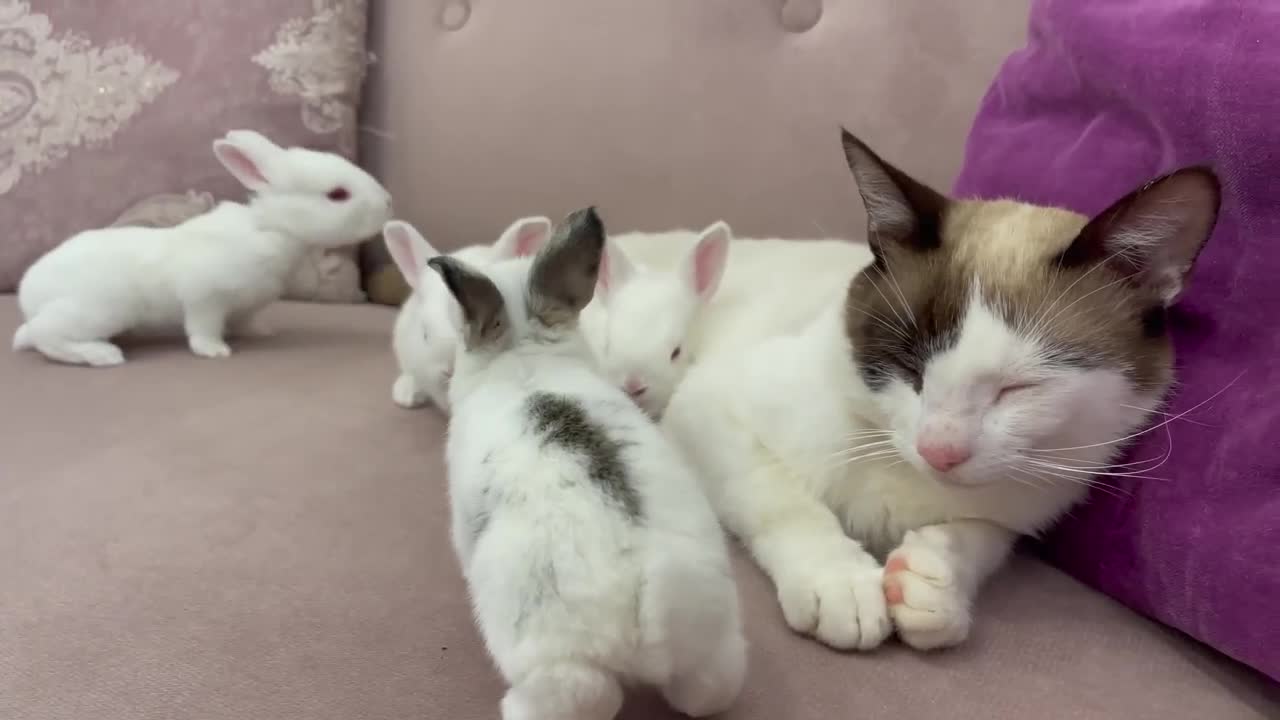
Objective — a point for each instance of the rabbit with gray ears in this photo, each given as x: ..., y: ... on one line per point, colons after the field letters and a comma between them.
x: 425, y: 337
x: 592, y: 557
x: 207, y: 276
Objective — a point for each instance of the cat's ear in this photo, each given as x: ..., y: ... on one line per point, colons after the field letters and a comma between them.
x: 563, y: 277
x: 485, y: 324
x: 900, y: 209
x: 704, y: 266
x: 615, y: 270
x: 1153, y: 235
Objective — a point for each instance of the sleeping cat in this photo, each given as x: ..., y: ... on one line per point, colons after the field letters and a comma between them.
x: 975, y: 377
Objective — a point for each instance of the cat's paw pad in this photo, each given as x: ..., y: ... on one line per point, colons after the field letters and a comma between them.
x: 210, y: 347
x: 404, y: 392
x: 929, y: 609
x: 841, y: 604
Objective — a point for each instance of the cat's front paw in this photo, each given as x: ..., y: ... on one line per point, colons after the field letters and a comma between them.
x: 842, y: 604
x: 929, y: 607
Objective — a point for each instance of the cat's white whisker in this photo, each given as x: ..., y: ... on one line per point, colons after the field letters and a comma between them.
x: 892, y: 307
x: 1039, y: 324
x: 1049, y: 322
x: 906, y: 306
x: 1130, y: 436
x: 883, y: 322
x: 1088, y: 482
x: 1137, y: 475
x: 1160, y: 412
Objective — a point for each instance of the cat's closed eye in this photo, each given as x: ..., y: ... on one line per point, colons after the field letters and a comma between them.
x: 1014, y: 388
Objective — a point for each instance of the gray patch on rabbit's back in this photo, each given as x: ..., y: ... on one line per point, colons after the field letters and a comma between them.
x: 541, y: 585
x: 479, y: 521
x: 563, y: 422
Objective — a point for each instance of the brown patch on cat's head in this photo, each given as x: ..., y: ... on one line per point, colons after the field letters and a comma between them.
x: 1094, y: 292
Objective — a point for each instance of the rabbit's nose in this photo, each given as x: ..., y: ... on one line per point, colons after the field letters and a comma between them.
x: 635, y: 388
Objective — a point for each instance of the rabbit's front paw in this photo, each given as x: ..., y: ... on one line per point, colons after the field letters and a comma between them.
x: 929, y: 608
x: 405, y: 393
x: 209, y: 347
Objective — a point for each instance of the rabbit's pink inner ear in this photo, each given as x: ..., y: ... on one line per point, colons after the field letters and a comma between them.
x: 615, y: 268
x: 239, y: 164
x: 603, y: 280
x: 531, y: 238
x: 709, y: 260
x: 403, y: 252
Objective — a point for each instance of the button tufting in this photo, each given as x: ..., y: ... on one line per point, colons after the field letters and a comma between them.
x: 800, y: 15
x: 455, y: 14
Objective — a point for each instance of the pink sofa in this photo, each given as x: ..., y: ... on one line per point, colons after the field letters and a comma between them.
x: 265, y: 537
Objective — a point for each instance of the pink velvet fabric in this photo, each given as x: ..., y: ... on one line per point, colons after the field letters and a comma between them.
x: 108, y: 109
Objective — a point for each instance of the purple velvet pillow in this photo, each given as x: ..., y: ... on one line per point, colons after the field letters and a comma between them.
x: 1104, y: 96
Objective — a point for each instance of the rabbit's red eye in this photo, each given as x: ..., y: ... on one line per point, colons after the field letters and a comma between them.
x: 339, y: 194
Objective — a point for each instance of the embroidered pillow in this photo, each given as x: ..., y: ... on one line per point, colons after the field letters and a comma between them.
x: 108, y: 109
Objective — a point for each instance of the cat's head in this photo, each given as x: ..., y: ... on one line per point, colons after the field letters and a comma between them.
x: 1005, y: 341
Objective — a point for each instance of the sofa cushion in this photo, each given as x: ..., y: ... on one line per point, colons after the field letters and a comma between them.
x: 266, y: 536
x: 108, y: 110
x: 1103, y: 97
x: 665, y: 112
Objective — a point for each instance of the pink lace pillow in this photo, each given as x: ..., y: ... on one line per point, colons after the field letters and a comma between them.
x: 108, y: 109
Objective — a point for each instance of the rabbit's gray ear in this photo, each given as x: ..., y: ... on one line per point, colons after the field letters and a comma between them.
x: 563, y: 278
x: 485, y: 324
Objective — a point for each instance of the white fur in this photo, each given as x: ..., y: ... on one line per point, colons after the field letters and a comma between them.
x: 812, y: 470
x: 769, y: 287
x: 425, y: 337
x: 206, y: 276
x: 573, y: 599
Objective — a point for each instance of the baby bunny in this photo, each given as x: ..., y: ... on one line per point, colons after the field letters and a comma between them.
x: 686, y: 295
x: 424, y: 337
x: 592, y: 557
x: 644, y: 312
x: 208, y: 275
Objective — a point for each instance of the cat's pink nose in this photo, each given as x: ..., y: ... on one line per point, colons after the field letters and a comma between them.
x: 634, y: 387
x: 943, y: 456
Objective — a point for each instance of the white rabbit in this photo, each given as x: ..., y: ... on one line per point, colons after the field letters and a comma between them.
x: 639, y: 323
x: 592, y: 557
x: 692, y: 293
x: 208, y: 275
x: 424, y: 337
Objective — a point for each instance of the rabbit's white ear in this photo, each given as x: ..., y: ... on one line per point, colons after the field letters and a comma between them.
x: 522, y: 238
x: 248, y: 156
x: 704, y: 265
x: 615, y: 270
x: 408, y: 249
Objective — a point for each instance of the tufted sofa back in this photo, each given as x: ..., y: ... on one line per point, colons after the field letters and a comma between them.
x: 668, y: 112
